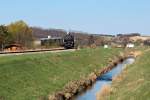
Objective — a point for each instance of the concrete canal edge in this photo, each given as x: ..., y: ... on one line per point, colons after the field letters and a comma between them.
x: 74, y: 88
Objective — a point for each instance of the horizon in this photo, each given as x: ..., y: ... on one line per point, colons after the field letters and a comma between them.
x: 90, y: 16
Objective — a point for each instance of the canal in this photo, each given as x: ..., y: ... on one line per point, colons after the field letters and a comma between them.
x: 105, y: 79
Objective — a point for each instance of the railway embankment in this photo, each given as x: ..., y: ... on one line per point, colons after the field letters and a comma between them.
x: 35, y: 76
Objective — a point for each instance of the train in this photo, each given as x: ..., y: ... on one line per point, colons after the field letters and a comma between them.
x: 68, y: 41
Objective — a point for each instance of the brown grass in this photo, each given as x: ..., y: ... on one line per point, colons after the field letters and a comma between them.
x: 103, y: 93
x: 136, y: 53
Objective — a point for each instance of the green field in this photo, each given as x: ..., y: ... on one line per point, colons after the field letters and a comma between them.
x: 136, y: 83
x: 35, y: 76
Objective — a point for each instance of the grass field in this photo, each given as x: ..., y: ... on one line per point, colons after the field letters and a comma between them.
x: 136, y: 83
x: 35, y: 76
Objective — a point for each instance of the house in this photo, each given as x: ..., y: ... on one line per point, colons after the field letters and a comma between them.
x: 130, y: 45
x: 105, y: 46
x: 13, y: 47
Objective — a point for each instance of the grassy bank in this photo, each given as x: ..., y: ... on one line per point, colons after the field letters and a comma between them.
x: 34, y: 76
x: 136, y: 82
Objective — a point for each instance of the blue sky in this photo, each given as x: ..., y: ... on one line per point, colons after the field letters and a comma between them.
x: 94, y: 16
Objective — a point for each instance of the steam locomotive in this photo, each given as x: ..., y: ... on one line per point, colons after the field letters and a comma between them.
x: 68, y: 41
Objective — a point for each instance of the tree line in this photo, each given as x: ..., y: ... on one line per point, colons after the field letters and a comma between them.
x: 21, y: 33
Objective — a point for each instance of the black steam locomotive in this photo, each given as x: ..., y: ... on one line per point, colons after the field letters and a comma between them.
x: 68, y: 41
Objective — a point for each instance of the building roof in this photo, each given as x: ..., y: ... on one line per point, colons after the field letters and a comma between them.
x: 13, y: 45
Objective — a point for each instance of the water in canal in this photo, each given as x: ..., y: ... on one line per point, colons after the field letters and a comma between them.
x: 105, y: 79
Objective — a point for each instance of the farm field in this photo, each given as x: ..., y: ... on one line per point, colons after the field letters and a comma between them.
x: 136, y: 83
x: 35, y: 76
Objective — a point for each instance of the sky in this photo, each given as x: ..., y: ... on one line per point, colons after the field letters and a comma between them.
x: 93, y: 16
